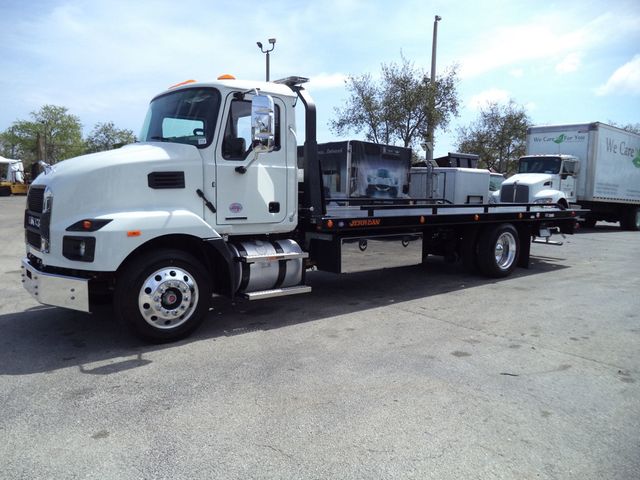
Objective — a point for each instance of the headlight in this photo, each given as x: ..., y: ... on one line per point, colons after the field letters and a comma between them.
x: 45, y: 219
x: 543, y: 200
x: 47, y: 202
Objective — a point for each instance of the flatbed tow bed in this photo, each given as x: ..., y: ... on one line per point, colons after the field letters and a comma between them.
x: 454, y: 231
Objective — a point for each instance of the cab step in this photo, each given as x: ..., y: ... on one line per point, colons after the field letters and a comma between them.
x: 276, y: 292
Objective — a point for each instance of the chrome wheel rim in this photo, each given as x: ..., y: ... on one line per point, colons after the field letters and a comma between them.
x: 168, y: 297
x: 505, y: 250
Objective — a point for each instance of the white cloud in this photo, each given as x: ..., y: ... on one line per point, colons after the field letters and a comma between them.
x: 517, y: 72
x: 546, y: 39
x: 625, y: 80
x: 570, y: 63
x: 493, y: 95
x: 327, y: 80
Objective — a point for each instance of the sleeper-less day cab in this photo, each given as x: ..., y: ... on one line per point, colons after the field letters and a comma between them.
x: 209, y: 202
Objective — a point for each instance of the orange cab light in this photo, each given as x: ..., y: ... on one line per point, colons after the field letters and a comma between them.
x: 186, y: 82
x: 134, y: 233
x: 520, y: 216
x: 476, y: 217
x: 422, y: 219
x: 226, y: 76
x: 87, y: 224
x: 329, y: 223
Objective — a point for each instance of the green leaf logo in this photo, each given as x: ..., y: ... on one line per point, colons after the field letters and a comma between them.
x: 560, y: 139
x: 636, y: 161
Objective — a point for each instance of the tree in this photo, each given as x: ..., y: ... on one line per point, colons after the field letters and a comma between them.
x: 498, y: 136
x: 629, y: 127
x: 52, y: 135
x: 398, y: 107
x: 105, y: 136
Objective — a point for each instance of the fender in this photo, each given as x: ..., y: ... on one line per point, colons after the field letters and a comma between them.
x: 555, y: 195
x: 129, y: 230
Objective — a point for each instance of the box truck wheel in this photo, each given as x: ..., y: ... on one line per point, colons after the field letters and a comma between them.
x: 163, y: 295
x: 589, y: 221
x: 498, y: 250
x: 631, y: 219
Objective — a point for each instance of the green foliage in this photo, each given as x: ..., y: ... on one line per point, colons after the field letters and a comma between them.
x: 52, y: 135
x: 399, y: 107
x: 498, y: 136
x: 105, y: 136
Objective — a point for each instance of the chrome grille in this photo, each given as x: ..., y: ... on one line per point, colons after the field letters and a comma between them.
x: 35, y: 198
x: 521, y: 195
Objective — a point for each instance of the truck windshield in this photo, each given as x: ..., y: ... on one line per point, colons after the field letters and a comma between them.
x: 539, y: 165
x: 185, y: 116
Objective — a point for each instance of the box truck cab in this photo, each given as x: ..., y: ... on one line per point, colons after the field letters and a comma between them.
x: 594, y: 165
x: 544, y: 179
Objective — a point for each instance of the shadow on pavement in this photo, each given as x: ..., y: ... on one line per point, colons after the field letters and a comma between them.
x: 44, y: 339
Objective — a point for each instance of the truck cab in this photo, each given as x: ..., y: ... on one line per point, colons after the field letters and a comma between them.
x: 543, y: 179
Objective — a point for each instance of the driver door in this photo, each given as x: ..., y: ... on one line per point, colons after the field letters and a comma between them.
x: 256, y: 194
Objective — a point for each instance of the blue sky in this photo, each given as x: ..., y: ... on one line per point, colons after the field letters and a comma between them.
x: 566, y: 61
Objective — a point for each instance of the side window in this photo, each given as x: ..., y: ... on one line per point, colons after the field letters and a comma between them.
x: 236, y: 144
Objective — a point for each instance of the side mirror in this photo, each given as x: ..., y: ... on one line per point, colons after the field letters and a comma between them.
x: 262, y: 124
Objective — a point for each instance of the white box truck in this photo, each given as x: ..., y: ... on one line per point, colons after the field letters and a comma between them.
x: 592, y: 164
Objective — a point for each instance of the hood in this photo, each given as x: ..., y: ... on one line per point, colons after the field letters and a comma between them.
x: 118, y: 179
x: 529, y: 179
x: 136, y: 153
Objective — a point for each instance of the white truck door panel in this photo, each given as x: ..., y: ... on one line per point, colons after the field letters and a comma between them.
x: 259, y: 195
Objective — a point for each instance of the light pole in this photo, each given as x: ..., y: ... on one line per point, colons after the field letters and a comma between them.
x: 430, y: 129
x: 272, y: 41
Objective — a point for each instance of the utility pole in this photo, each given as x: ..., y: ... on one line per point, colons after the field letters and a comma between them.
x: 430, y: 129
x: 272, y: 41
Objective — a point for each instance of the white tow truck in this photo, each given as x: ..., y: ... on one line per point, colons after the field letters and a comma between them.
x: 209, y: 202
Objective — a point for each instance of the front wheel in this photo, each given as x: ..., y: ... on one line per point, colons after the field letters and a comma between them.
x: 163, y: 296
x: 498, y: 250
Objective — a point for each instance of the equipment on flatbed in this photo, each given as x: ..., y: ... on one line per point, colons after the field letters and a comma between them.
x: 209, y: 203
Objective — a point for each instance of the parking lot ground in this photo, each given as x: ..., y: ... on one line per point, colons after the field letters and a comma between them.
x: 419, y: 371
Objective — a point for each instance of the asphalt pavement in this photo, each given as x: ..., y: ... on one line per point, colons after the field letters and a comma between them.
x: 419, y: 371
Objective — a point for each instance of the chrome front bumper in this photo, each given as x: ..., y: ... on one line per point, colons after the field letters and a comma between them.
x: 57, y: 290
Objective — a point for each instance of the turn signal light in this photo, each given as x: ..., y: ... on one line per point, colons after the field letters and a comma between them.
x: 476, y: 217
x: 186, y: 82
x: 329, y: 223
x: 226, y: 76
x: 134, y: 233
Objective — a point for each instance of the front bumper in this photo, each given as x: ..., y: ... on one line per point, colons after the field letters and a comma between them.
x: 57, y: 290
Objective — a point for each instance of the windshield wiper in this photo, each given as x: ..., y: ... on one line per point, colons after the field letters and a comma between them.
x: 162, y: 139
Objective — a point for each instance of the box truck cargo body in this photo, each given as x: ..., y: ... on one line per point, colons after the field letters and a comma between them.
x: 593, y: 164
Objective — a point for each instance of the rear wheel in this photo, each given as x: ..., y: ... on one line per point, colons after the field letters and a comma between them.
x: 631, y: 219
x: 498, y: 250
x: 163, y: 296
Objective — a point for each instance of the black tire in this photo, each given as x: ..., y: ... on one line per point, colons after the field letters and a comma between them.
x: 562, y: 204
x: 631, y: 219
x: 163, y: 296
x: 498, y: 250
x: 589, y: 221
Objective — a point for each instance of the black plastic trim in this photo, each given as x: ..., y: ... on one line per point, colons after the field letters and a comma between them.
x: 161, y: 180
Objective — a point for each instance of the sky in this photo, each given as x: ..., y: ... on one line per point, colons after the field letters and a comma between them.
x: 571, y: 61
